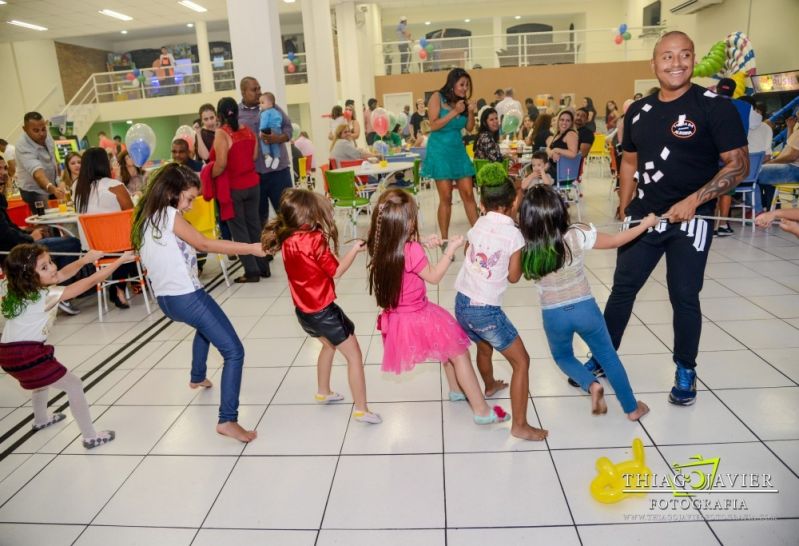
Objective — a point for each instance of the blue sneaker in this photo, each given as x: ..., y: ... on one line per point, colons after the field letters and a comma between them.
x: 592, y: 366
x: 683, y: 393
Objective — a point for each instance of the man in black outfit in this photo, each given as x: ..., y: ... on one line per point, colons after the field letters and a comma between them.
x: 585, y: 137
x: 673, y: 144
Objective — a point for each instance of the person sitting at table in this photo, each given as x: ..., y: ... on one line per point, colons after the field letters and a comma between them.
x: 564, y: 143
x: 343, y: 148
x: 422, y: 134
x: 537, y: 138
x: 131, y: 175
x: 487, y: 144
x: 11, y: 235
x: 393, y: 139
x: 95, y: 192
x: 69, y: 174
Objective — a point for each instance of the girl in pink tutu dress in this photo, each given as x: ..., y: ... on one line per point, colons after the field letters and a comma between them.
x: 413, y: 328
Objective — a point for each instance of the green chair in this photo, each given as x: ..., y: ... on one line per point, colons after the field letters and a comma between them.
x: 344, y: 196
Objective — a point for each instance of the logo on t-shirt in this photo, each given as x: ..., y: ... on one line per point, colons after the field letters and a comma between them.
x: 683, y: 127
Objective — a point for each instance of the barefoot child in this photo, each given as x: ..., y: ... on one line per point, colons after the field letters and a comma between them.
x: 492, y: 260
x: 554, y: 258
x: 414, y: 329
x: 789, y: 220
x: 29, y: 306
x: 167, y: 245
x: 302, y: 232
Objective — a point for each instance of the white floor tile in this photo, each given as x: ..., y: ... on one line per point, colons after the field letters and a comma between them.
x: 387, y: 491
x: 165, y: 387
x: 307, y: 429
x: 17, y: 470
x: 407, y: 427
x: 258, y: 386
x: 714, y: 337
x: 239, y: 537
x: 27, y: 534
x: 394, y: 537
x: 788, y: 451
x: 274, y: 493
x: 194, y: 432
x: 567, y: 536
x: 785, y: 360
x: 168, y: 492
x: 97, y: 535
x: 462, y: 435
x: 71, y: 489
x: 771, y: 413
x: 738, y: 369
x: 651, y: 534
x: 421, y: 383
x: 299, y: 385
x: 743, y: 533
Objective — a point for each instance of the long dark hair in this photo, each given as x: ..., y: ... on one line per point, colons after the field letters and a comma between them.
x: 300, y: 210
x: 124, y: 175
x: 394, y: 223
x: 542, y: 122
x: 589, y: 106
x: 484, y: 123
x: 22, y: 281
x: 615, y: 108
x: 448, y: 91
x: 164, y: 189
x: 227, y: 109
x: 94, y: 165
x: 544, y: 221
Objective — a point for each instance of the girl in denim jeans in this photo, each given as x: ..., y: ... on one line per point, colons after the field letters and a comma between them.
x: 554, y: 257
x: 167, y: 246
x: 493, y: 259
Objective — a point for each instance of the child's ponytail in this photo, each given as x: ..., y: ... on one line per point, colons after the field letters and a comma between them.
x: 274, y: 234
x: 544, y: 222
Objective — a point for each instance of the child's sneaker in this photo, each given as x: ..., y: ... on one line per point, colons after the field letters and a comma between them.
x: 268, y: 161
x: 327, y: 398
x: 725, y: 231
x: 496, y: 415
x: 592, y: 366
x: 367, y: 417
x: 55, y: 418
x: 103, y: 437
x: 275, y: 162
x: 683, y: 393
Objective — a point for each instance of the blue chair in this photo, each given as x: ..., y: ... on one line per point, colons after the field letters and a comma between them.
x: 567, y: 178
x: 749, y: 185
x: 422, y: 151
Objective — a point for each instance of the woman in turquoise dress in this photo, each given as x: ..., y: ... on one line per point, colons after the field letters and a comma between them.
x: 446, y: 162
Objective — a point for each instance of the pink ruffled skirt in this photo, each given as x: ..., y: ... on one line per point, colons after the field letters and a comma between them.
x: 427, y: 332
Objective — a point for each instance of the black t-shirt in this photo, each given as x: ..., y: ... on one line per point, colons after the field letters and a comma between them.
x: 416, y: 122
x: 678, y: 145
x: 585, y: 136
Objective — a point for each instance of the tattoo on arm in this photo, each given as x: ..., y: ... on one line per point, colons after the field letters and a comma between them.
x: 735, y: 169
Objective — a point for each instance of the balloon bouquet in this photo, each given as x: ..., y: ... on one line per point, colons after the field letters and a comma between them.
x: 733, y: 58
x: 292, y: 63
x: 623, y: 35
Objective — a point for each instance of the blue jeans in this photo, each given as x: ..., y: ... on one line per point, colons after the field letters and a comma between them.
x: 771, y: 175
x: 61, y: 244
x: 487, y: 323
x: 201, y: 311
x: 585, y: 319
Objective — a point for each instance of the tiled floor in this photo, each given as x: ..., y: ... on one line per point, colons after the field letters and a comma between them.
x: 427, y: 475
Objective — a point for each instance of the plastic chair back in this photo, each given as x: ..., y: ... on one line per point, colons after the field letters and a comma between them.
x: 309, y: 162
x: 342, y: 187
x: 18, y: 210
x: 755, y: 162
x: 568, y: 169
x: 202, y: 216
x: 108, y: 231
x: 324, y: 169
x: 598, y: 147
x: 349, y: 163
x: 303, y: 167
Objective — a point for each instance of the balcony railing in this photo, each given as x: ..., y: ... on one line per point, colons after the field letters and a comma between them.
x: 508, y: 50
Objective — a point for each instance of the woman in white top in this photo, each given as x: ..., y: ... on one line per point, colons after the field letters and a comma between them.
x: 167, y: 243
x: 343, y: 149
x: 94, y: 192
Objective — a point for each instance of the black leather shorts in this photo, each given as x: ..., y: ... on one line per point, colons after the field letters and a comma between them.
x: 330, y: 323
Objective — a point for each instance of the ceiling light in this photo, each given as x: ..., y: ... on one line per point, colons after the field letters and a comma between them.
x: 467, y: 20
x: 517, y: 17
x: 289, y: 1
x: 123, y: 31
x: 116, y: 15
x: 427, y: 23
x: 23, y: 24
x: 192, y: 6
x: 129, y: 122
x: 190, y: 25
x: 3, y: 2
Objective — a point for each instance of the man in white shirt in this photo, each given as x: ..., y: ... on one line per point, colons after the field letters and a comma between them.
x: 507, y: 104
x: 37, y: 167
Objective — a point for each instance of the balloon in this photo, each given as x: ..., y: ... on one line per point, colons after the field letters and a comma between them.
x: 422, y: 54
x: 622, y: 28
x: 614, y: 481
x: 291, y: 55
x: 348, y: 115
x: 430, y: 48
x: 292, y: 68
x: 416, y: 48
x: 296, y: 63
x: 130, y: 77
x: 511, y: 121
x: 142, y: 78
x: 286, y: 62
x: 626, y: 36
x: 381, y: 148
x: 618, y: 39
x: 186, y: 133
x: 140, y: 141
x: 380, y: 121
x: 423, y: 42
x: 392, y: 121
x: 136, y: 72
x: 403, y: 120
x: 295, y: 130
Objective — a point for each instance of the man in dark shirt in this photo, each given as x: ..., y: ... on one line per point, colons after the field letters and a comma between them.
x: 417, y: 117
x: 180, y: 154
x: 673, y: 141
x: 585, y: 137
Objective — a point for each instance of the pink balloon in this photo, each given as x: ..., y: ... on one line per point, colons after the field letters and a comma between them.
x: 292, y: 68
x: 618, y: 39
x: 347, y: 115
x: 380, y: 121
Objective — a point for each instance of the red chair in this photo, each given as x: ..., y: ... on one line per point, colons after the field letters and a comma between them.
x: 324, y: 169
x: 309, y: 162
x: 18, y: 210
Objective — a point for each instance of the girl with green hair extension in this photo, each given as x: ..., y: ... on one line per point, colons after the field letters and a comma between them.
x: 553, y: 256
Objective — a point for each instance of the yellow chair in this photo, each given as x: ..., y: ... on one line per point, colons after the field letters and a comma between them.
x: 470, y: 150
x: 599, y: 152
x: 203, y: 217
x: 302, y: 174
x: 788, y: 189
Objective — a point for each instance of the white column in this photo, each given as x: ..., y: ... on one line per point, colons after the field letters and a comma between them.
x: 204, y: 54
x: 496, y: 30
x: 349, y: 59
x: 374, y: 36
x: 318, y: 33
x: 255, y: 40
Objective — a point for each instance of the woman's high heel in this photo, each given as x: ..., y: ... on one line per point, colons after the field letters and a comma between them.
x: 114, y: 297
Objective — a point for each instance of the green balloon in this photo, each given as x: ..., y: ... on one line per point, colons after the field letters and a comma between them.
x: 429, y: 48
x: 509, y: 124
x: 392, y: 121
x: 626, y: 35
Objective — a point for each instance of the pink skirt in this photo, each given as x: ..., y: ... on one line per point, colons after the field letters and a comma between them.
x: 426, y: 333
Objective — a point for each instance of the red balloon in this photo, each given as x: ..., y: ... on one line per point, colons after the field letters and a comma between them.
x: 618, y: 39
x: 130, y: 77
x: 422, y: 54
x: 291, y: 68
